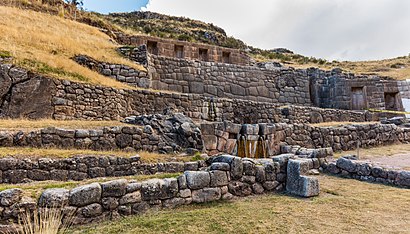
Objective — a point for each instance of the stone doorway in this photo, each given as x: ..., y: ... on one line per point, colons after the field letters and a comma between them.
x: 203, y: 54
x: 358, y: 98
x: 179, y: 51
x: 152, y: 47
x: 390, y: 100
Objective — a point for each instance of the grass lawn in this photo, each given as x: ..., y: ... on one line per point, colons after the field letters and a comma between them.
x: 344, y: 206
x: 26, y: 124
x: 34, y: 189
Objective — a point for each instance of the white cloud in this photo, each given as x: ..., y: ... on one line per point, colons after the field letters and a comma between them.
x: 332, y: 29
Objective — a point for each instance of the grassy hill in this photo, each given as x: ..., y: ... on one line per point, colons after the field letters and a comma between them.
x: 46, y: 43
x: 46, y: 39
x: 396, y: 68
x: 179, y: 28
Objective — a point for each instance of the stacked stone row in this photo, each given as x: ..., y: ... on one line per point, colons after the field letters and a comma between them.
x: 223, y: 137
x: 366, y: 171
x: 226, y: 177
x: 119, y: 72
x: 14, y: 170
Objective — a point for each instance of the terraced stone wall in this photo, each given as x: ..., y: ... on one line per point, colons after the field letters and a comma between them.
x: 16, y: 170
x: 225, y: 178
x: 225, y: 137
x: 26, y: 95
x: 366, y: 171
x: 279, y: 85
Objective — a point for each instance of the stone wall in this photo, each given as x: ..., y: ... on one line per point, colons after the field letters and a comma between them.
x: 365, y: 171
x: 15, y: 171
x: 231, y: 138
x: 121, y: 73
x: 24, y: 94
x: 108, y: 138
x: 191, y: 51
x: 404, y: 88
x: 37, y: 97
x: 335, y: 89
x: 226, y: 177
x: 279, y: 85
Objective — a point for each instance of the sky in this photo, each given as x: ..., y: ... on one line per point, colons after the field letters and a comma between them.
x: 330, y: 29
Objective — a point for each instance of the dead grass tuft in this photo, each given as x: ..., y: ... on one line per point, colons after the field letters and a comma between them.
x: 26, y: 124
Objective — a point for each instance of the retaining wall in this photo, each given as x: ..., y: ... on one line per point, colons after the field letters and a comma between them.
x: 26, y: 95
x: 119, y: 72
x: 281, y: 85
x: 108, y: 138
x: 227, y: 177
x: 14, y: 170
x: 365, y: 171
x: 225, y: 137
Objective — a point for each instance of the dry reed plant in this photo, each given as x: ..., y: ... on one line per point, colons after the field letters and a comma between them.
x: 45, y: 221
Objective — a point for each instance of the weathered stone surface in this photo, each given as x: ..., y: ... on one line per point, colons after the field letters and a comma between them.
x: 220, y: 166
x: 235, y: 163
x: 10, y: 197
x: 159, y: 189
x: 185, y: 193
x: 403, y: 179
x: 85, y: 195
x: 270, y: 185
x: 197, y: 179
x: 32, y: 99
x: 206, y: 195
x: 218, y: 178
x: 91, y: 210
x: 54, y: 198
x: 239, y: 189
x: 116, y: 188
x: 133, y: 187
x: 257, y: 188
x: 346, y: 164
x: 131, y: 198
x: 173, y: 202
x: 298, y: 184
x: 110, y: 203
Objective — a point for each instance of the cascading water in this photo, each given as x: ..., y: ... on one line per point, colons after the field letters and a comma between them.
x: 250, y: 148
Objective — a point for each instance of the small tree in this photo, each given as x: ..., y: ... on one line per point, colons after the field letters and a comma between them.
x: 76, y: 3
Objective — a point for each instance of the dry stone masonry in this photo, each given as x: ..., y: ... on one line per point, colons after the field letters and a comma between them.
x: 122, y: 73
x: 261, y: 140
x: 170, y: 134
x: 365, y: 171
x: 225, y: 178
x: 16, y: 171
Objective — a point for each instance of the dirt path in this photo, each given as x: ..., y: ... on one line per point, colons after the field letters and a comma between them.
x: 401, y: 161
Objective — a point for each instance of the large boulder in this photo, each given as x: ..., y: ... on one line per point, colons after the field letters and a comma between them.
x: 347, y: 165
x: 197, y: 179
x: 298, y: 184
x: 85, y: 195
x: 54, y: 198
x: 10, y: 197
x: 206, y: 195
x: 116, y: 188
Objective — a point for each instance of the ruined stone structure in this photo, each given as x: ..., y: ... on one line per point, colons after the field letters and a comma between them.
x: 365, y: 171
x: 223, y: 178
x: 185, y: 50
